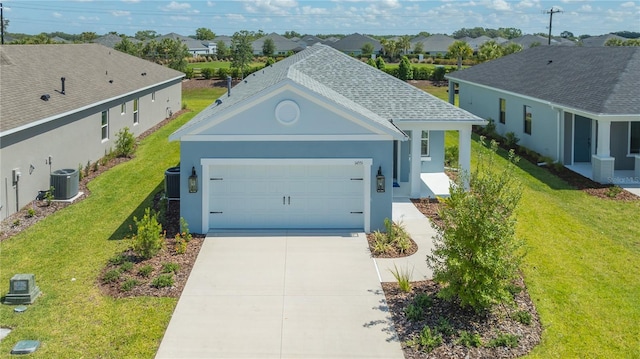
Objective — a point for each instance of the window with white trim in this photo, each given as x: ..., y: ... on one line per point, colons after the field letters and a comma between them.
x: 135, y: 111
x: 528, y: 117
x: 424, y: 144
x: 104, y: 127
x: 123, y: 108
x: 634, y: 137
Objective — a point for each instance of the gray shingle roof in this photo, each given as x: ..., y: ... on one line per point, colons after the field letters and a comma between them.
x: 30, y: 71
x: 601, y: 80
x: 600, y: 40
x: 112, y: 40
x: 346, y: 81
x: 354, y: 43
x: 281, y: 43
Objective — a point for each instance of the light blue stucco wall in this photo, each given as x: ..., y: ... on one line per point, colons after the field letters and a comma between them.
x: 544, y: 128
x: 191, y: 152
x: 435, y: 161
x: 260, y: 119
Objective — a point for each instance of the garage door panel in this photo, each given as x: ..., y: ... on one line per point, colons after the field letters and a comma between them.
x: 286, y: 196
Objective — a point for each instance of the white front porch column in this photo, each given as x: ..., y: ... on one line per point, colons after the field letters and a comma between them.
x: 416, y: 165
x: 464, y: 151
x: 637, y: 168
x: 602, y: 164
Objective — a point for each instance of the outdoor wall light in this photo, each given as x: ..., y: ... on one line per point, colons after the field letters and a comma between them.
x: 380, y: 180
x: 193, y: 181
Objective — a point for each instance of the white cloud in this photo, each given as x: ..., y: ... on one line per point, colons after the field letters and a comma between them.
x: 210, y: 3
x: 308, y: 10
x: 236, y: 17
x: 119, y: 13
x: 500, y: 5
x: 180, y: 18
x: 525, y: 4
x: 131, y: 1
x: 88, y: 18
x: 57, y: 14
x: 270, y: 7
x: 628, y: 4
x: 174, y: 5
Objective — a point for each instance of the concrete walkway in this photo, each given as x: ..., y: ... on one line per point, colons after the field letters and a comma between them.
x: 421, y: 232
x: 282, y: 295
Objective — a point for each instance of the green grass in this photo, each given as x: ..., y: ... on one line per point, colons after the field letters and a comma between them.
x: 73, y: 318
x: 581, y: 266
x: 217, y: 65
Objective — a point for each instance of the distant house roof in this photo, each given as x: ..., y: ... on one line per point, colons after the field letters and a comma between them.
x: 438, y: 43
x: 59, y: 40
x: 527, y: 40
x: 94, y: 74
x: 223, y: 38
x: 282, y: 44
x: 601, y: 80
x: 475, y: 43
x: 311, y: 40
x: 192, y: 44
x: 600, y: 40
x: 336, y: 77
x: 354, y: 42
x: 111, y: 40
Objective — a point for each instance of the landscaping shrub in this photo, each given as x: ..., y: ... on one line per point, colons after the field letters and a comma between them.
x: 145, y: 271
x: 404, y: 69
x: 413, y: 312
x: 444, y: 327
x: 438, y: 74
x: 127, y: 266
x: 426, y: 341
x: 403, y: 277
x: 125, y: 143
x: 170, y: 268
x: 189, y: 73
x: 31, y: 212
x: 207, y: 73
x: 504, y: 340
x: 128, y: 285
x: 222, y: 73
x: 613, y: 191
x: 511, y: 140
x: 469, y: 340
x: 522, y: 317
x: 111, y: 276
x: 162, y: 281
x: 451, y: 155
x: 148, y: 240
x: 423, y: 300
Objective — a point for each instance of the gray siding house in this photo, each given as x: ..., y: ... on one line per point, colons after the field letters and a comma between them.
x: 577, y: 105
x: 47, y: 124
x: 306, y: 143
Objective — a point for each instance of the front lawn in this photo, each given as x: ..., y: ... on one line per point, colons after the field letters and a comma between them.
x: 67, y: 250
x: 581, y: 268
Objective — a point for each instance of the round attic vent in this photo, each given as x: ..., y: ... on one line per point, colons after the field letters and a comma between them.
x: 287, y: 112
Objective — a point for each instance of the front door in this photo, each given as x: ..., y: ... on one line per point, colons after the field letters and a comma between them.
x: 582, y: 139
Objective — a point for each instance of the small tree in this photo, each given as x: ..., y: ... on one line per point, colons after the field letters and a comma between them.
x: 242, y: 51
x: 203, y: 33
x: 222, y: 51
x: 125, y: 143
x: 268, y: 47
x: 460, y: 50
x: 380, y: 63
x: 371, y: 62
x: 148, y: 240
x: 367, y: 49
x: 476, y: 253
x: 404, y: 69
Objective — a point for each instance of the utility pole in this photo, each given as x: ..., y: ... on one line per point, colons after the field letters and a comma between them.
x: 551, y: 12
x: 1, y: 25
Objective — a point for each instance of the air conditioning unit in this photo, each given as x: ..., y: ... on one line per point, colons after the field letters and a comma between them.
x: 172, y: 183
x: 65, y: 182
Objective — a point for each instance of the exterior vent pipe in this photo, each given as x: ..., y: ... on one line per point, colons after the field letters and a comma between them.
x: 62, y: 79
x: 228, y: 86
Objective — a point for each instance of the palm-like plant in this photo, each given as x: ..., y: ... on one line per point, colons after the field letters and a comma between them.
x: 460, y: 50
x: 490, y: 50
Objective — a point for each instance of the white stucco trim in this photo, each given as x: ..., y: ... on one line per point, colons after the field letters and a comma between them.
x: 236, y: 138
x: 206, y: 163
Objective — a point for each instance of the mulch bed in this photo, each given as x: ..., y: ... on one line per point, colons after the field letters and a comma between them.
x: 393, y: 252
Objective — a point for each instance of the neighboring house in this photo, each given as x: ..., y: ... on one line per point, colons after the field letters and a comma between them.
x: 59, y: 40
x: 195, y: 47
x: 418, y: 39
x: 111, y: 40
x: 282, y: 45
x: 600, y: 40
x: 475, y: 43
x: 437, y: 44
x: 352, y: 44
x: 578, y: 105
x: 49, y: 124
x: 300, y: 144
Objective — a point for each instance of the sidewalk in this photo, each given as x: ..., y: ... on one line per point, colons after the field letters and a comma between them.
x: 421, y: 231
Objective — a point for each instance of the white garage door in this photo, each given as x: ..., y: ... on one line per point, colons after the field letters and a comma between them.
x: 286, y: 196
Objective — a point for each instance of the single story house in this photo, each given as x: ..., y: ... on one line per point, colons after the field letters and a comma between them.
x: 353, y: 44
x: 600, y: 40
x: 62, y: 106
x: 317, y: 140
x: 578, y: 105
x: 194, y: 46
x: 437, y: 44
x: 282, y: 45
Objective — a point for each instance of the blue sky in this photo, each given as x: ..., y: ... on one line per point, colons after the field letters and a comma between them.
x: 318, y: 17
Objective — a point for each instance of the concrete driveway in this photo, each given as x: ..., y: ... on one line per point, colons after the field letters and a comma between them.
x: 282, y: 295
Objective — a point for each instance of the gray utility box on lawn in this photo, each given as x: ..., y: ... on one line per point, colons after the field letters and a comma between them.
x: 172, y: 183
x: 22, y: 289
x: 65, y: 183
